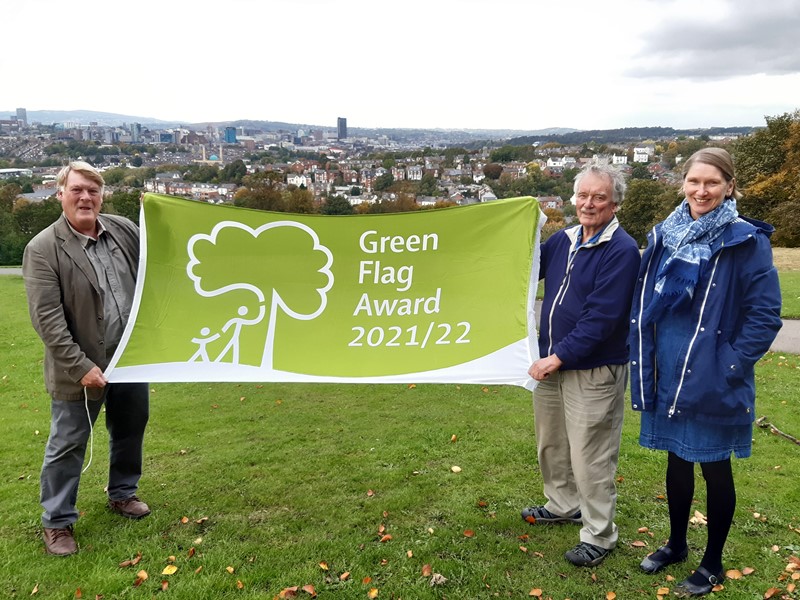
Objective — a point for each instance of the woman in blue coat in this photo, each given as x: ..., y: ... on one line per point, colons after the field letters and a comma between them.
x: 705, y: 310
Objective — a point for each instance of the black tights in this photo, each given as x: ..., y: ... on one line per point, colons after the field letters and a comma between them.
x: 721, y: 502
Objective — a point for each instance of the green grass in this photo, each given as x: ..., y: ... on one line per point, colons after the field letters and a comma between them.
x: 790, y: 289
x: 282, y: 477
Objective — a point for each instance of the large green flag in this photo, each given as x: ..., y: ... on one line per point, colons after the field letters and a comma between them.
x: 231, y: 294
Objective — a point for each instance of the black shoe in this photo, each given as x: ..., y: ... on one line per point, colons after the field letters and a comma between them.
x: 687, y: 589
x: 587, y: 555
x: 661, y: 558
x: 539, y: 514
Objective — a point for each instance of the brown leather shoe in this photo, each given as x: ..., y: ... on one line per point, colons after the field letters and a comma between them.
x: 131, y: 508
x: 59, y: 542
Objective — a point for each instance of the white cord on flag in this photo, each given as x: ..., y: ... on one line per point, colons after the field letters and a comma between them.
x: 91, y: 429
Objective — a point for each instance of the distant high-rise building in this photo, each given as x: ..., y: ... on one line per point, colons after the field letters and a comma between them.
x: 136, y: 133
x: 230, y: 135
x: 341, y: 128
x: 22, y: 115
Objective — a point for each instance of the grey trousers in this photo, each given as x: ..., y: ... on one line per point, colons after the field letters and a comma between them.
x: 578, y: 418
x: 127, y: 411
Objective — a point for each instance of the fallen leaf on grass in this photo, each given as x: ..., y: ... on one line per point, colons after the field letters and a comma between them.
x: 131, y: 562
x: 771, y: 592
x: 370, y: 493
x: 523, y: 548
x: 239, y: 584
x: 169, y: 570
x: 386, y: 538
x: 438, y: 579
x: 191, y: 552
x: 453, y: 438
x: 530, y: 519
x: 78, y: 593
x: 198, y: 569
x: 643, y: 530
x: 469, y: 533
x: 610, y: 595
x: 373, y: 593
x: 35, y: 589
x: 229, y: 570
x: 790, y: 588
x: 426, y: 570
x: 535, y: 592
x: 639, y: 544
x: 538, y: 554
x: 289, y: 592
x: 309, y: 589
x: 141, y: 577
x: 164, y: 585
x: 718, y: 588
x: 366, y: 580
x: 344, y: 576
x: 698, y: 519
x: 384, y: 562
x: 184, y: 520
x: 409, y: 554
x: 323, y: 565
x: 748, y: 571
x: 733, y: 574
x: 455, y: 469
x: 662, y: 591
x: 412, y: 386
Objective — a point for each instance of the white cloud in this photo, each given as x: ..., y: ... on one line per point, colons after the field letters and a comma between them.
x: 475, y: 64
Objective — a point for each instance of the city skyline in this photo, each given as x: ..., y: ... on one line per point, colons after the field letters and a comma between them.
x: 473, y: 64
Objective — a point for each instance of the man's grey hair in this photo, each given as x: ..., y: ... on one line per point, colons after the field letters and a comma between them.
x: 614, y: 175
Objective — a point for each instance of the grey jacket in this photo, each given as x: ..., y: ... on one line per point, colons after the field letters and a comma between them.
x: 65, y: 302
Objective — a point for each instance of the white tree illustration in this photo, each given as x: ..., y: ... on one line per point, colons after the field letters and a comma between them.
x: 283, y: 263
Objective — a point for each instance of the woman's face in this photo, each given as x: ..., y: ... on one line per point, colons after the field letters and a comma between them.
x: 705, y: 188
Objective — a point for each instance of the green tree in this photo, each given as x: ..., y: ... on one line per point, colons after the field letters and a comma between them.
x: 493, y: 170
x: 260, y: 191
x: 428, y: 186
x: 647, y: 202
x: 384, y: 182
x: 124, y: 203
x: 300, y: 200
x: 337, y: 205
x: 640, y: 171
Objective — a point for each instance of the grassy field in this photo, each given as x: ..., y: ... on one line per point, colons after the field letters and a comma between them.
x: 350, y: 489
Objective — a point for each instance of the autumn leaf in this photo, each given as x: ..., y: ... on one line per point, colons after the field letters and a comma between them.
x: 373, y: 593
x: 610, y: 595
x: 662, y: 591
x: 523, y: 548
x: 386, y: 538
x: 412, y: 386
x: 184, y: 520
x: 229, y: 570
x: 239, y: 584
x: 289, y: 592
x: 323, y: 565
x: 469, y: 533
x: 733, y: 574
x: 344, y: 576
x: 453, y: 438
x: 748, y: 571
x: 141, y: 577
x: 535, y: 592
x: 201, y: 520
x: 78, y: 593
x: 384, y: 562
x: 370, y: 493
x: 642, y: 530
x: 366, y: 580
x: 455, y: 469
x: 35, y: 589
x: 191, y: 552
x: 409, y: 554
x: 530, y: 519
x: 438, y: 579
x: 309, y: 589
x: 198, y: 569
x: 639, y: 544
x: 771, y: 592
x: 426, y: 570
x: 698, y: 518
x: 164, y: 585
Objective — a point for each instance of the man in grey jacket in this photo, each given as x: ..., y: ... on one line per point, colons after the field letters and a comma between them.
x: 80, y: 276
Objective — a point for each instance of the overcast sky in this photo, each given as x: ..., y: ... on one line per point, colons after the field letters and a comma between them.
x: 478, y: 64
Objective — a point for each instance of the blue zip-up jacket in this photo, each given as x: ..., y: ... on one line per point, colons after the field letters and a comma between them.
x: 736, y: 309
x: 587, y: 297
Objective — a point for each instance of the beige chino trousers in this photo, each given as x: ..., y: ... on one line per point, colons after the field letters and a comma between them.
x: 578, y: 421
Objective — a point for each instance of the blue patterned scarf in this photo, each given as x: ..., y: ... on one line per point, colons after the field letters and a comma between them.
x: 688, y: 242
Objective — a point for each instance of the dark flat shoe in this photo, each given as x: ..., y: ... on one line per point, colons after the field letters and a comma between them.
x: 661, y: 558
x: 687, y: 589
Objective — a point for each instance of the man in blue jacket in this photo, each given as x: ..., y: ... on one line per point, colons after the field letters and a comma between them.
x: 589, y: 273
